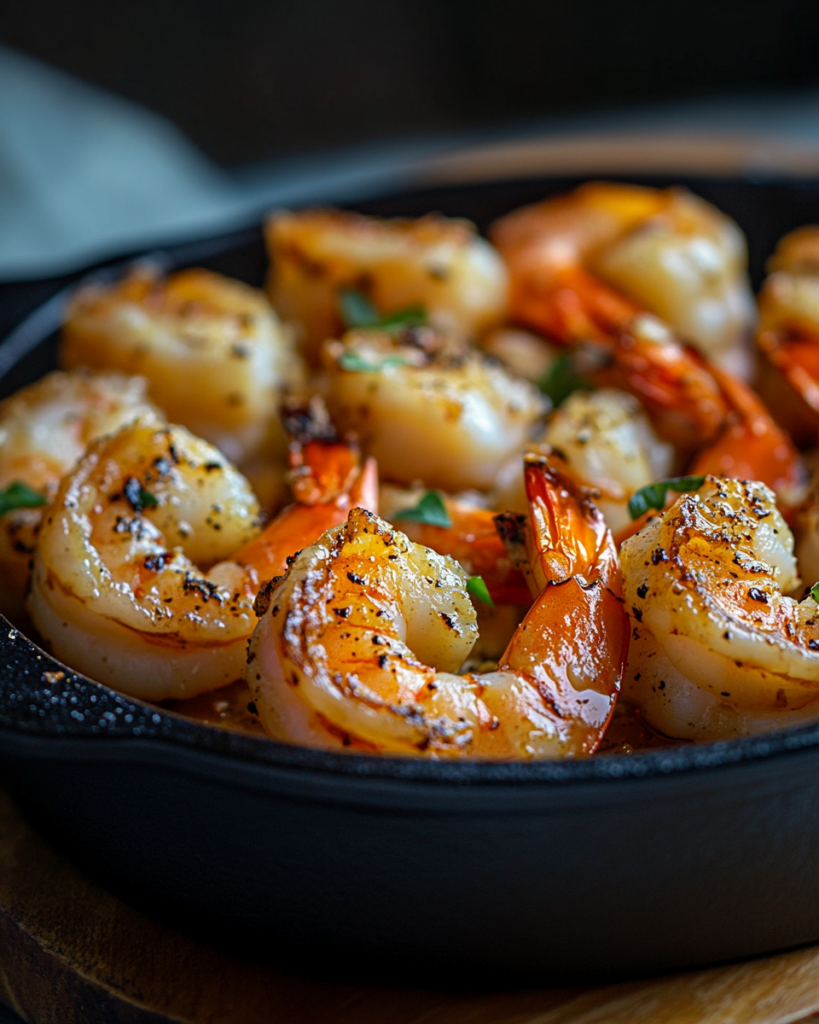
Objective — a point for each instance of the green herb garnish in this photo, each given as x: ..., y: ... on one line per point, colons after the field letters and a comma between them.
x: 814, y: 592
x: 357, y: 311
x: 430, y: 510
x: 563, y: 379
x: 477, y: 588
x: 654, y: 495
x: 137, y: 496
x: 20, y: 495
x: 353, y: 361
x: 411, y: 316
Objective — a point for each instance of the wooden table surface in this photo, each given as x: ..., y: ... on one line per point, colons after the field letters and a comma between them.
x: 70, y: 953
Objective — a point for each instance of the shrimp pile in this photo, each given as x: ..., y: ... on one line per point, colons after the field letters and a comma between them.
x: 662, y: 252
x: 436, y: 495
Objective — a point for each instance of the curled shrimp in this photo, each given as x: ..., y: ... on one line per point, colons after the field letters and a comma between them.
x: 213, y: 351
x: 665, y: 252
x: 439, y: 264
x: 428, y: 408
x: 358, y: 645
x: 718, y: 648
x: 150, y: 558
x: 44, y: 429
x: 788, y: 335
x: 606, y: 442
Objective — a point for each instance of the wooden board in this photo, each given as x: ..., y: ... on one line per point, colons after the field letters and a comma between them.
x: 70, y: 953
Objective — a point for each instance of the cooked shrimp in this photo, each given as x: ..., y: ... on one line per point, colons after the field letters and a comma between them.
x: 429, y: 409
x: 150, y: 558
x: 788, y: 334
x: 44, y: 429
x: 215, y: 355
x: 439, y: 264
x: 358, y: 645
x: 752, y: 446
x: 669, y: 252
x: 616, y: 344
x: 121, y: 588
x: 608, y: 444
x: 696, y: 405
x: 683, y: 394
x: 718, y: 648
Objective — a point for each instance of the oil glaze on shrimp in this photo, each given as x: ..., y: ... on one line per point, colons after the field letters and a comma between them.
x: 150, y: 557
x: 718, y: 648
x: 358, y: 644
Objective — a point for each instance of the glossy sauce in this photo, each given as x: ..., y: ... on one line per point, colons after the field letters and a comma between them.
x: 628, y: 732
x: 229, y: 707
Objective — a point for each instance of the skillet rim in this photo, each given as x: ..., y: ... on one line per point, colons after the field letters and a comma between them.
x: 60, y: 708
x: 51, y: 713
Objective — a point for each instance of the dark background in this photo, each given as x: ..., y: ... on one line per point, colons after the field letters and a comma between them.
x: 250, y: 80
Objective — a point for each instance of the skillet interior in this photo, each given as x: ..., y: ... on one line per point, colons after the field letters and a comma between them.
x: 687, y: 849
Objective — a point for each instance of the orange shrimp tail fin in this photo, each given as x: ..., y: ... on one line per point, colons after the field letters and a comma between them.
x: 323, y: 465
x: 575, y: 644
x: 364, y: 490
x: 300, y: 525
x: 569, y: 532
x: 752, y: 446
x: 568, y: 305
x: 795, y: 352
x: 575, y: 650
x: 321, y: 471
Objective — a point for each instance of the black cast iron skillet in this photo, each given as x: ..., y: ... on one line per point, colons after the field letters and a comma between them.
x: 607, y: 867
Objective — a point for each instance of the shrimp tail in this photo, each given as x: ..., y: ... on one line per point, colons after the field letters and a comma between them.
x: 328, y: 479
x: 570, y: 534
x: 577, y: 651
x: 323, y: 464
x: 752, y: 446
